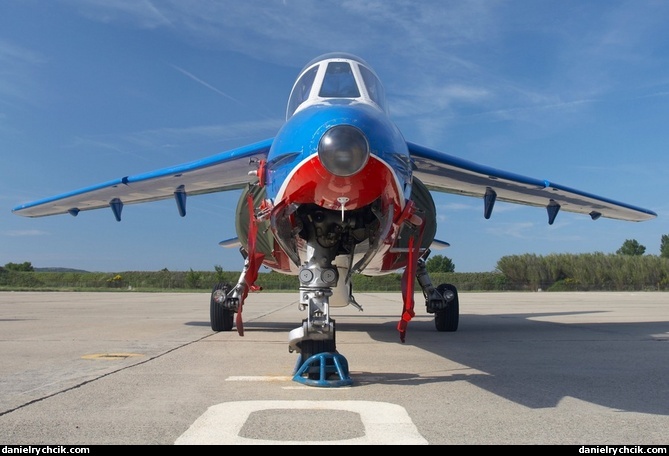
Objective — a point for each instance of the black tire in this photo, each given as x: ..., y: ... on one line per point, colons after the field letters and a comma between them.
x: 309, y: 347
x: 222, y: 319
x: 448, y: 318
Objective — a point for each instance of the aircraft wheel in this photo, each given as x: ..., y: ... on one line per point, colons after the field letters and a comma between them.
x: 222, y: 319
x: 310, y: 347
x: 448, y: 318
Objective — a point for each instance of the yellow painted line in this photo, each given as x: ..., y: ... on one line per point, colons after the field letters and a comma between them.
x: 111, y: 356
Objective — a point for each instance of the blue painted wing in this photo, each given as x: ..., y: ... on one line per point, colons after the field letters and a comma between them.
x: 446, y: 173
x: 221, y: 172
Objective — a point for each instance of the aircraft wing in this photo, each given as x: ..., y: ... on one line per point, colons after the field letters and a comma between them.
x: 446, y: 173
x: 221, y: 172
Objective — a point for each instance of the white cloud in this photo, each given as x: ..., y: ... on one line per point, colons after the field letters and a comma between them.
x: 21, y: 233
x: 142, y: 13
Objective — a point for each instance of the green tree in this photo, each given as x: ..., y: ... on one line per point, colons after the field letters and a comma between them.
x: 220, y: 275
x: 440, y: 263
x: 193, y: 278
x: 23, y: 267
x: 631, y: 247
x: 664, y: 246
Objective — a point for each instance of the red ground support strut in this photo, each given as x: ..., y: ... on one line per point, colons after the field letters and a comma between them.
x: 253, y: 263
x: 409, y: 275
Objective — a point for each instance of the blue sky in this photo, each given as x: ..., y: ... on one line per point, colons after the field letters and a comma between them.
x: 576, y: 92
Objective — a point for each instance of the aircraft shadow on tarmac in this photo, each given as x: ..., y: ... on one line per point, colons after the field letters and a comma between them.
x: 623, y: 366
x: 534, y: 363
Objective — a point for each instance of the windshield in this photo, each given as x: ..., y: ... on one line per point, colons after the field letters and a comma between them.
x: 339, y: 82
x: 374, y: 87
x: 301, y: 90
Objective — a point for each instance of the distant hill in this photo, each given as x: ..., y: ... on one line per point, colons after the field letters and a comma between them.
x: 58, y: 270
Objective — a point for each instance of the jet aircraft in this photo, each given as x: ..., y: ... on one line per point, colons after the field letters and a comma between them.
x: 337, y: 191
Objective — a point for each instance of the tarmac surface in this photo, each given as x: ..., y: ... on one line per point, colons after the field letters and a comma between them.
x: 146, y: 369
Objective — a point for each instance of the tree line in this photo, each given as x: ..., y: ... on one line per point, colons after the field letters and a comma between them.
x: 629, y: 269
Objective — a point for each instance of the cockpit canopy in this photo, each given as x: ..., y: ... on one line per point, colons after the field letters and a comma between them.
x: 336, y: 76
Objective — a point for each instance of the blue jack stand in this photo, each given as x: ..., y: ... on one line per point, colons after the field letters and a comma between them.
x: 326, y: 364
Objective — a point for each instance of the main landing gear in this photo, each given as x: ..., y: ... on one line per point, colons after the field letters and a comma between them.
x: 441, y: 301
x: 221, y: 311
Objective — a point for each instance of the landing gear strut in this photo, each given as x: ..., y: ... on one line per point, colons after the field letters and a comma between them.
x: 441, y: 301
x: 319, y: 363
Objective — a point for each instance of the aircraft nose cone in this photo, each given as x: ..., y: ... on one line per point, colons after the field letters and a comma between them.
x: 343, y: 150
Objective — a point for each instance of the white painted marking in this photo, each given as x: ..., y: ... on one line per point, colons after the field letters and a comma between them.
x: 385, y: 423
